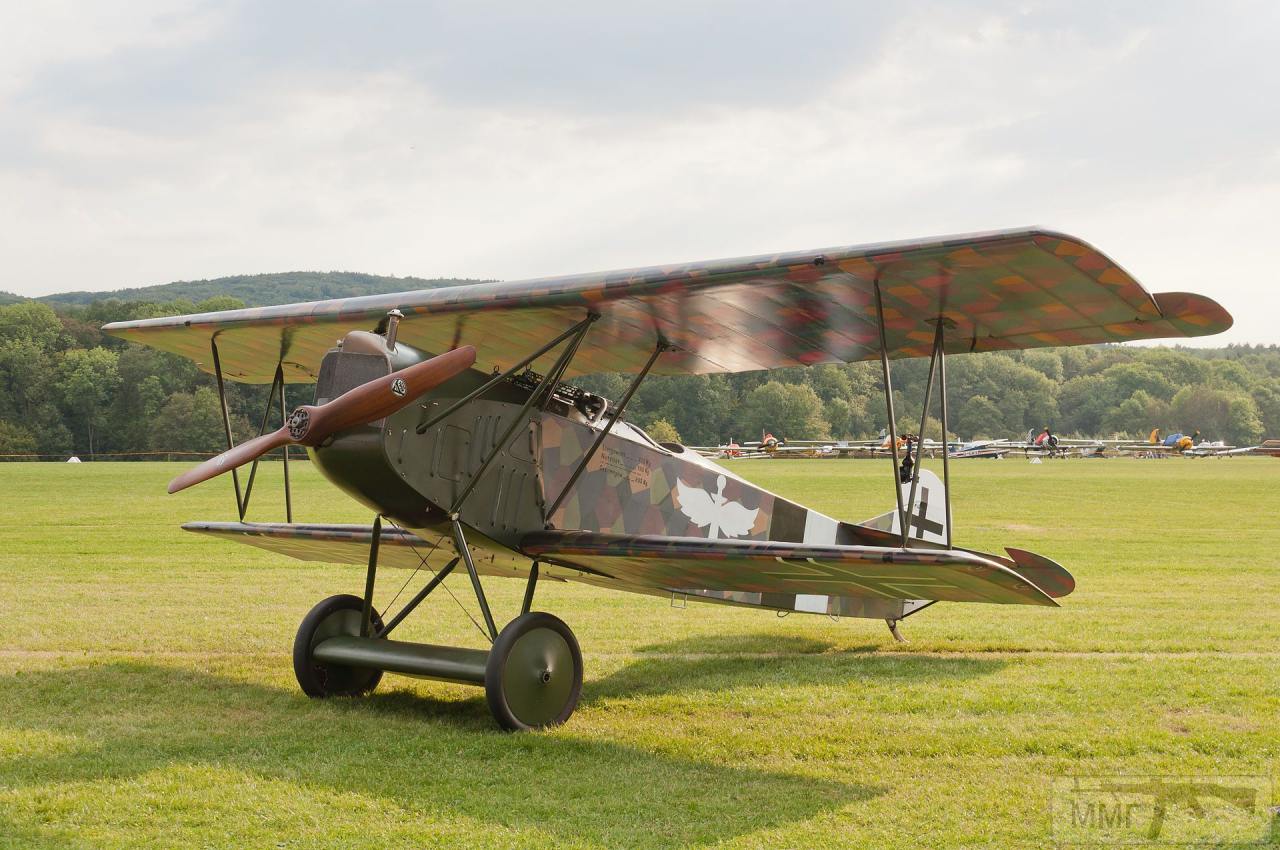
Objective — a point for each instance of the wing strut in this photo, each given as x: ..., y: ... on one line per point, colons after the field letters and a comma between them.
x: 924, y: 416
x: 226, y: 419
x: 888, y: 402
x: 483, y: 388
x: 938, y: 365
x: 942, y: 391
x: 662, y: 346
x: 277, y: 386
x: 543, y: 389
x: 464, y: 551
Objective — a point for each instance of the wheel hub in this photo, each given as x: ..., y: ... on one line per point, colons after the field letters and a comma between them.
x: 535, y: 695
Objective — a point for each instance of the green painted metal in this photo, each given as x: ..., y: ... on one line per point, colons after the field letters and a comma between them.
x: 370, y: 576
x: 529, y: 587
x: 342, y: 622
x: 543, y: 390
x: 356, y: 460
x: 446, y: 663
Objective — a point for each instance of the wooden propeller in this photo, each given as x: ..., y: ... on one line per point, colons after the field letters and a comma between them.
x: 311, y: 425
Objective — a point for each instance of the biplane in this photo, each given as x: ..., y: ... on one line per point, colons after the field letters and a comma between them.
x: 451, y: 414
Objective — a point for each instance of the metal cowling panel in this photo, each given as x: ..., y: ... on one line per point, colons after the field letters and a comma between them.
x: 340, y: 371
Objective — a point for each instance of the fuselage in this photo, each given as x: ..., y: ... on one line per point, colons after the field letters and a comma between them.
x: 631, y: 485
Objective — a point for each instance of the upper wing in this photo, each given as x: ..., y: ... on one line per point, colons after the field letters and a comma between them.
x: 693, y: 564
x: 1001, y: 290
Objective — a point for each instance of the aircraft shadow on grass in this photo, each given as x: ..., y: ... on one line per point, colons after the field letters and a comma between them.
x: 436, y: 757
x: 719, y: 662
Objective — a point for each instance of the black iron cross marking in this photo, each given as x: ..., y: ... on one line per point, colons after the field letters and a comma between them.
x: 919, y: 521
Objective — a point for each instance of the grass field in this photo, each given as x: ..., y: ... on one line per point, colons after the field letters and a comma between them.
x: 147, y: 698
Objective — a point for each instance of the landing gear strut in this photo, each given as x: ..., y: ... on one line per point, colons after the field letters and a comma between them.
x: 532, y: 675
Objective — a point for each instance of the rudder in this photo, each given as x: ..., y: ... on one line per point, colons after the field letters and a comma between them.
x: 928, y: 514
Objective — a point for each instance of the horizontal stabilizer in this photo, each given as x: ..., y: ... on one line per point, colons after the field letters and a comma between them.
x: 1049, y: 575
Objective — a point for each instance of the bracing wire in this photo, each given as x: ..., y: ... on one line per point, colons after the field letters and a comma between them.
x: 422, y: 562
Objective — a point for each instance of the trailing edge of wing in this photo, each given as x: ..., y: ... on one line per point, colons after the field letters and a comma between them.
x: 1010, y: 289
x: 752, y: 566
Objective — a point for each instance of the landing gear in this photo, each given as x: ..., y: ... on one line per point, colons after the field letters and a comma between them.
x: 336, y: 616
x: 533, y: 676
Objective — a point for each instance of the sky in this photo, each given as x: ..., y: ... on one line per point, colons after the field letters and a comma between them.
x: 145, y: 142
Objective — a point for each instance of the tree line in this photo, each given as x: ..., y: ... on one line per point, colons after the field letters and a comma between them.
x: 66, y: 388
x: 1103, y: 391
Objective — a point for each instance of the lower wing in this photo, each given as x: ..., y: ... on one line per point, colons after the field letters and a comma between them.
x: 660, y: 565
x: 693, y: 564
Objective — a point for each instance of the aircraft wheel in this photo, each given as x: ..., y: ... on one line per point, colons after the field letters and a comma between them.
x: 337, y: 615
x: 534, y: 674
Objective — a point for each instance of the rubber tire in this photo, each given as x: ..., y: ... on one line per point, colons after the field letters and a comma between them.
x: 530, y: 645
x: 331, y: 617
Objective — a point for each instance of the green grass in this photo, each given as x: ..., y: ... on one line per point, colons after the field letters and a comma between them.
x: 147, y: 698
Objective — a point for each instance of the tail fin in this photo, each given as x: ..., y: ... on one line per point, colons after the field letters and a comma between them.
x: 928, y: 514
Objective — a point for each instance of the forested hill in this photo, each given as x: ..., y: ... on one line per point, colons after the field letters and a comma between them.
x: 258, y: 290
x: 65, y: 387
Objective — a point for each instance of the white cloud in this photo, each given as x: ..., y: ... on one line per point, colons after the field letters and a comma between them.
x: 429, y: 141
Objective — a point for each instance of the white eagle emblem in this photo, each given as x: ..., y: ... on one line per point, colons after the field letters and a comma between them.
x: 726, y: 518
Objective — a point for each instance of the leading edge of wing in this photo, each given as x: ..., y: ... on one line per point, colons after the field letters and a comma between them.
x: 768, y: 567
x: 586, y: 289
x: 1010, y: 289
x: 333, y: 544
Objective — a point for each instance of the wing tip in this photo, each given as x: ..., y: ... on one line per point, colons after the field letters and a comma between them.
x: 1193, y: 314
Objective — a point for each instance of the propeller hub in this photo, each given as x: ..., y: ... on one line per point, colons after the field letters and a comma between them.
x: 361, y: 405
x: 298, y: 423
